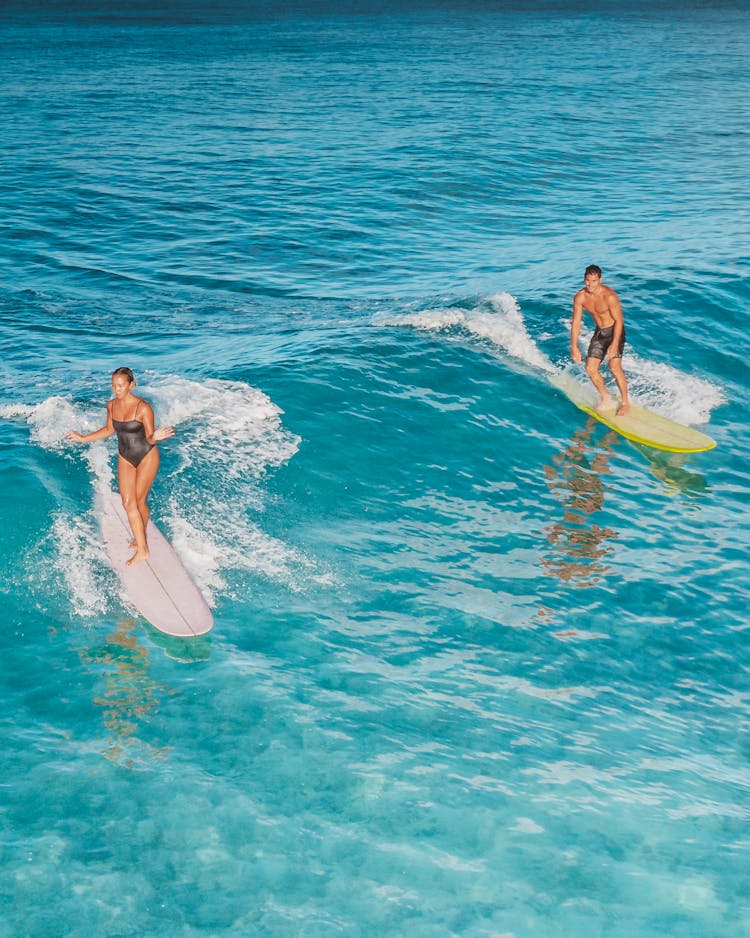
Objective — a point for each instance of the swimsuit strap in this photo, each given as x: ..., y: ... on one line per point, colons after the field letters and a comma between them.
x: 134, y: 417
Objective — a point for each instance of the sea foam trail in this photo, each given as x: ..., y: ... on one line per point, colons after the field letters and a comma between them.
x: 78, y: 566
x: 687, y: 399
x: 498, y: 319
x: 228, y: 436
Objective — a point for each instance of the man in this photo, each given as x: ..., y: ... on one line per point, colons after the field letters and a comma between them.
x: 609, y: 337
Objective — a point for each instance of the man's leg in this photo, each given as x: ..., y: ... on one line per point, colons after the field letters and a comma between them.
x: 615, y: 366
x: 592, y: 370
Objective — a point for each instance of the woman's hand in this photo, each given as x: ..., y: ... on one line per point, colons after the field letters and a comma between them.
x: 162, y: 433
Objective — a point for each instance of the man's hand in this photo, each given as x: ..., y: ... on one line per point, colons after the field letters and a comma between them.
x: 575, y: 354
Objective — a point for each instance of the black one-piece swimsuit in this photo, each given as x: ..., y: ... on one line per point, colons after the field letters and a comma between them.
x: 132, y: 444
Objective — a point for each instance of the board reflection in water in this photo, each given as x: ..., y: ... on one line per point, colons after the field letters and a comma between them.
x: 576, y: 479
x: 128, y: 695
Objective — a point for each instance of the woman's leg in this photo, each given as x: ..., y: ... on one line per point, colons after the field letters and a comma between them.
x: 127, y: 480
x: 144, y: 479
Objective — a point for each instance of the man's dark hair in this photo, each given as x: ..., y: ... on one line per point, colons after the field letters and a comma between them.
x: 593, y: 269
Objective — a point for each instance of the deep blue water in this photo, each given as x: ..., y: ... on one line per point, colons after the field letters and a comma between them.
x: 479, y: 665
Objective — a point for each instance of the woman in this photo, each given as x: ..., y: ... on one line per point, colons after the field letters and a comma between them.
x: 132, y: 419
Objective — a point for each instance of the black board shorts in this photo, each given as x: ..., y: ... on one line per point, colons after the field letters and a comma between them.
x: 601, y: 341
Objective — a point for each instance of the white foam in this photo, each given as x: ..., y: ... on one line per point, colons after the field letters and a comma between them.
x: 12, y: 411
x: 52, y: 418
x: 504, y: 325
x: 228, y: 436
x: 79, y: 560
x: 215, y: 541
x: 228, y: 426
x: 50, y: 421
x: 200, y: 554
x: 497, y: 318
x: 687, y: 399
x: 428, y: 319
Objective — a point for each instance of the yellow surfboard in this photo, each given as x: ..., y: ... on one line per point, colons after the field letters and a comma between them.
x: 640, y: 425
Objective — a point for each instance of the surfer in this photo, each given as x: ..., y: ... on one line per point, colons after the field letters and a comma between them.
x: 608, y: 340
x: 132, y: 419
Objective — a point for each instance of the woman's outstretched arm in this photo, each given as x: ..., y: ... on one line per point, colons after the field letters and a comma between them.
x: 101, y: 434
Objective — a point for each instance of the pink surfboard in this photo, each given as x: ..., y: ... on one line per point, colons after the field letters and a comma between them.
x: 160, y: 588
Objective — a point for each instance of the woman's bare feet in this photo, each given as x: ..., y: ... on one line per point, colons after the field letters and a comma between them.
x: 623, y: 411
x: 605, y: 404
x: 137, y: 557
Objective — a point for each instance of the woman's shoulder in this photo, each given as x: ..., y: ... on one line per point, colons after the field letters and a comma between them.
x: 142, y: 405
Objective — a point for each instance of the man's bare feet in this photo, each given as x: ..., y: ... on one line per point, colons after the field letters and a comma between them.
x: 623, y: 410
x: 137, y: 557
x: 605, y: 404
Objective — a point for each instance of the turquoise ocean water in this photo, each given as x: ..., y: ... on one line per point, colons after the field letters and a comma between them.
x: 480, y: 667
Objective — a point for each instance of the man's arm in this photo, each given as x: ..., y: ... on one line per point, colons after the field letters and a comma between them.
x: 575, y: 328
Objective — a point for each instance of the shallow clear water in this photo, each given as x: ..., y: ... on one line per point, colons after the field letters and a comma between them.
x: 479, y: 665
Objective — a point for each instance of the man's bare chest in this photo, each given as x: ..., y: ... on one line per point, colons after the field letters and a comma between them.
x: 599, y: 310
x: 596, y: 306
